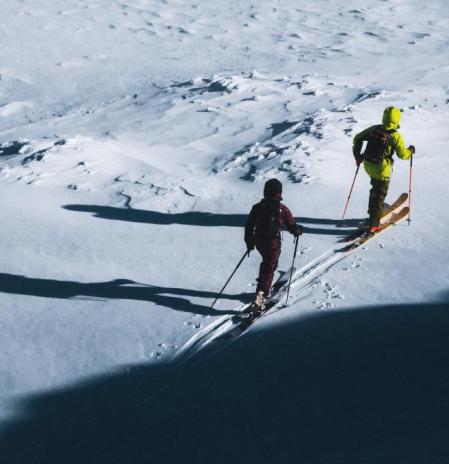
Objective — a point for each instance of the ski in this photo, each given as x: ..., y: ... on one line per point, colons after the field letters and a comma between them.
x: 388, y: 213
x: 394, y: 208
x: 361, y: 240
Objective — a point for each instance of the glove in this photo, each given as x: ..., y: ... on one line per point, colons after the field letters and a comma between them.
x: 359, y: 160
x: 299, y: 230
x: 412, y: 149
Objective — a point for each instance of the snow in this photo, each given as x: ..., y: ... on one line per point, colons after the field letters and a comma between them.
x: 134, y: 139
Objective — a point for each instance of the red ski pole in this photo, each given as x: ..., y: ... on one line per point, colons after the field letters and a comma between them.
x: 410, y: 191
x: 350, y: 192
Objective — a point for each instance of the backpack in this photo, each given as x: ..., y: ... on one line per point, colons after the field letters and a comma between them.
x: 376, y: 148
x: 269, y: 226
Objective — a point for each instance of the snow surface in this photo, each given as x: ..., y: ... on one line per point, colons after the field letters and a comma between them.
x: 135, y: 137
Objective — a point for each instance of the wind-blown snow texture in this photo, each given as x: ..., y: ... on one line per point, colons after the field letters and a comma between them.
x: 134, y: 138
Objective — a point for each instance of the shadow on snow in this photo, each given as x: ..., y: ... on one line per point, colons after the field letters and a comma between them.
x: 365, y: 385
x: 115, y: 289
x: 197, y: 218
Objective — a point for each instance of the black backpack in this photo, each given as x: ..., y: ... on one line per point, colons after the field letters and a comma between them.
x: 376, y: 148
x: 269, y: 226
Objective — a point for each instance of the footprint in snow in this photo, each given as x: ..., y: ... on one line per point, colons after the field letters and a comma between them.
x: 323, y: 304
x: 355, y: 264
x: 163, y: 347
x: 330, y: 292
x: 330, y: 295
x: 303, y: 250
x: 193, y: 325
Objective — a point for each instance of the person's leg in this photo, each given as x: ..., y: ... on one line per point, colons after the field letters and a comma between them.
x: 270, y: 258
x: 372, y: 201
x: 378, y: 192
x: 383, y: 190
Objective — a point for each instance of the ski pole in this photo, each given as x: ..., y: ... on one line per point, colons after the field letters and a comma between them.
x: 350, y: 192
x: 410, y: 191
x: 233, y: 272
x: 291, y: 270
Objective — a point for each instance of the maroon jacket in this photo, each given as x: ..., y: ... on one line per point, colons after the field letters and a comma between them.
x: 256, y: 232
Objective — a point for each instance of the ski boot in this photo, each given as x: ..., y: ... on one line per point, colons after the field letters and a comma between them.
x: 259, y: 303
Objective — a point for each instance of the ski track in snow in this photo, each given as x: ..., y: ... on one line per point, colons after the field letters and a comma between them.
x: 304, y: 281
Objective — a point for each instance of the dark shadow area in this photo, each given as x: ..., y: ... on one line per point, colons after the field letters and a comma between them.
x: 12, y: 149
x: 362, y: 386
x: 278, y: 128
x: 122, y: 289
x: 192, y: 218
x: 197, y: 218
x: 212, y: 87
x: 322, y: 231
x: 36, y: 156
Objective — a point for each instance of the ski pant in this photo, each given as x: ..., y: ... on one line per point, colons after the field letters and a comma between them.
x: 377, y: 194
x: 270, y: 256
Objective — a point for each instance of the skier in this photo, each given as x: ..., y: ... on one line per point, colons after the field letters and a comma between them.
x: 263, y: 231
x: 382, y: 141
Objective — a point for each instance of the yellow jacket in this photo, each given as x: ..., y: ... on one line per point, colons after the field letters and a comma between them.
x: 396, y: 144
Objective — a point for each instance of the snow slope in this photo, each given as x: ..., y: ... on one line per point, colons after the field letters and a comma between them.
x: 135, y: 136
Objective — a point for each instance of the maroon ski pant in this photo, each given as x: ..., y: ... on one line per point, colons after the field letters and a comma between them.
x: 270, y: 256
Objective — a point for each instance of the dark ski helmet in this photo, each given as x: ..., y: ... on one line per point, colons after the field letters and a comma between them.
x: 272, y: 189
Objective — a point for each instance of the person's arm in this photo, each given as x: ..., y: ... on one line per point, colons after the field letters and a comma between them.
x: 400, y: 148
x: 357, y: 143
x: 289, y: 221
x: 250, y: 225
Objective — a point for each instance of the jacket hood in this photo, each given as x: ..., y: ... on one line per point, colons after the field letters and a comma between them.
x: 273, y: 190
x: 391, y: 118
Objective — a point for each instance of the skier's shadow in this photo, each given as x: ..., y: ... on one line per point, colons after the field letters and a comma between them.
x: 198, y: 218
x: 115, y: 289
